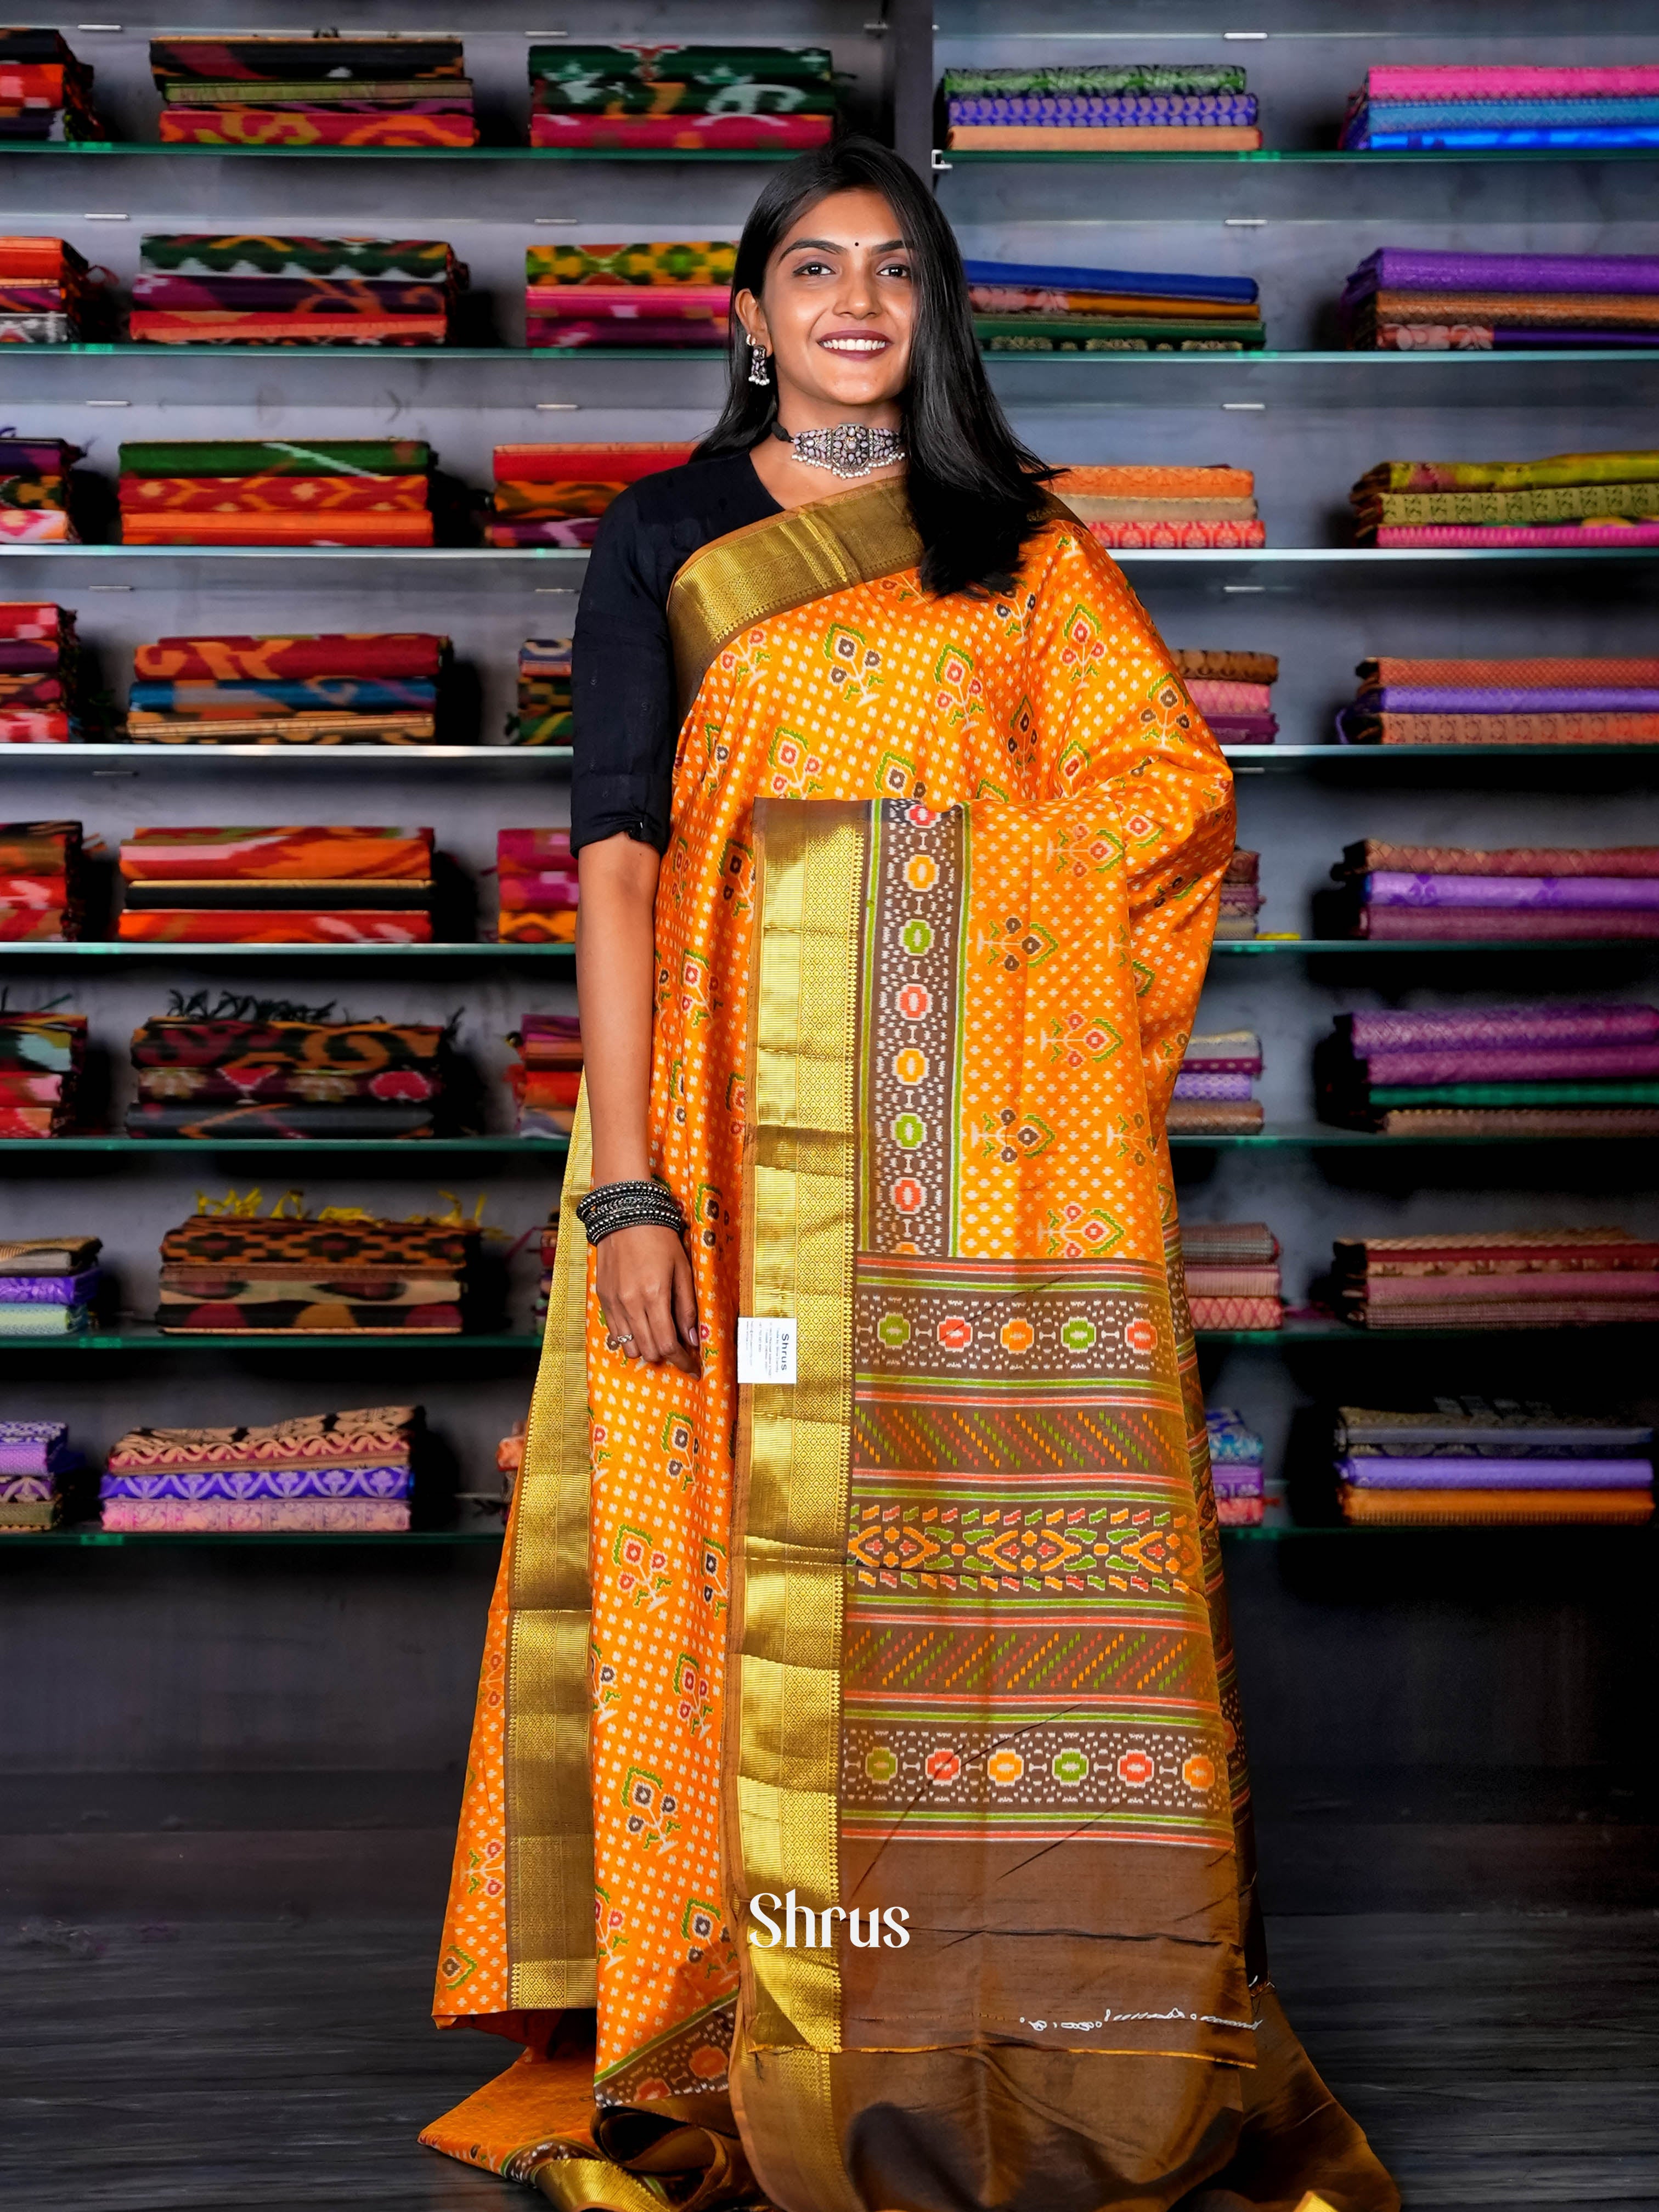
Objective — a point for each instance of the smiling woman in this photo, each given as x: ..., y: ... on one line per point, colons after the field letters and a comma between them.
x: 900, y: 844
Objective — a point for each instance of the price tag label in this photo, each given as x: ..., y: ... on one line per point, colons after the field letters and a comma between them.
x: 766, y: 1349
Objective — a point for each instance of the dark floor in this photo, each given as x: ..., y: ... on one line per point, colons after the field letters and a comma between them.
x: 1496, y: 2060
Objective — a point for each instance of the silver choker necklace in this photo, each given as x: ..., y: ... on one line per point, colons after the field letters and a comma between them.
x: 850, y: 449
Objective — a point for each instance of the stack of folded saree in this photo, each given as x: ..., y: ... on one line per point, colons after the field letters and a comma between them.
x: 1233, y: 691
x: 684, y: 99
x: 1524, y: 892
x: 556, y: 494
x: 1490, y: 107
x: 1137, y: 505
x: 1134, y: 107
x: 40, y: 675
x: 1570, y: 499
x: 42, y: 894
x: 35, y: 484
x: 41, y: 1057
x: 48, y: 295
x: 1503, y: 702
x: 671, y: 294
x: 47, y: 1285
x: 1466, y: 1460
x: 43, y: 1482
x: 1214, y: 1091
x: 538, y: 887
x: 1541, y: 1070
x: 340, y: 1274
x: 287, y: 88
x: 243, y: 1068
x: 1240, y: 905
x: 545, y: 713
x: 547, y: 1075
x: 1497, y: 1278
x: 273, y: 491
x: 1233, y: 1278
x: 325, y: 1472
x: 195, y: 288
x: 1031, y: 307
x: 383, y: 687
x: 1406, y: 301
x: 1237, y: 1454
x: 330, y: 883
x: 46, y: 92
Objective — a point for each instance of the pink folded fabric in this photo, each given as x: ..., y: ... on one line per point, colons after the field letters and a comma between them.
x: 1427, y: 535
x: 1449, y: 80
x: 1622, y: 1283
x: 254, y: 1515
x: 1573, y: 1063
x: 1216, y: 695
x: 1475, y: 924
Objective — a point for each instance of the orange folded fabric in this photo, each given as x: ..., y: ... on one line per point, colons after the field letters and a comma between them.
x: 277, y: 530
x: 519, y: 928
x: 228, y: 926
x: 1141, y: 480
x: 270, y: 494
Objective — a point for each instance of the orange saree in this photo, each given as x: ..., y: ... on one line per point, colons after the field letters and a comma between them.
x: 859, y: 1745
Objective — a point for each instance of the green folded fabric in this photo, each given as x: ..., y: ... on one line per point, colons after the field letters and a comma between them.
x: 1553, y: 503
x: 186, y: 253
x: 1515, y: 1094
x: 1078, y: 329
x: 607, y: 69
x: 277, y: 456
x: 1129, y: 76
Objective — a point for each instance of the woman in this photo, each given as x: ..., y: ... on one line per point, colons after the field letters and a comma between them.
x: 860, y: 1654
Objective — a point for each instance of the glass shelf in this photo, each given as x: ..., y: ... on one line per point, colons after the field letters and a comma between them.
x: 436, y: 956
x: 1366, y: 947
x: 148, y: 1341
x: 1323, y: 1330
x: 947, y: 158
x: 126, y: 148
x: 396, y: 1153
x: 449, y: 762
x: 488, y: 558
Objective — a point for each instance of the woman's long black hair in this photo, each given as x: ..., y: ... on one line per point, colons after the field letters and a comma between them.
x: 976, y: 494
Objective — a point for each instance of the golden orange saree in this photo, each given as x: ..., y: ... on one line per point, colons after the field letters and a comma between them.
x: 862, y: 1747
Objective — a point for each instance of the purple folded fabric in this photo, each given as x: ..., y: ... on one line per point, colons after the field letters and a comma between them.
x: 389, y: 1481
x: 48, y: 1290
x: 1236, y: 1479
x: 1243, y: 729
x: 1497, y: 1474
x: 36, y: 1459
x: 1192, y: 1085
x: 27, y: 1489
x: 1422, y: 699
x: 1408, y: 269
x: 1388, y: 887
x: 1494, y: 1028
x: 581, y: 531
x: 1540, y: 1064
x: 1407, y: 924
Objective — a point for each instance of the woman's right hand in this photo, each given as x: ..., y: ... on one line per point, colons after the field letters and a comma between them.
x: 648, y: 1297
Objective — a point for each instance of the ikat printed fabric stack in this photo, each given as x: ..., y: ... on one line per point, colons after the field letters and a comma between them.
x: 321, y: 89
x: 1233, y: 1278
x: 330, y: 883
x: 194, y: 289
x: 1518, y: 894
x: 43, y: 1482
x: 682, y: 100
x: 544, y: 716
x: 42, y: 1058
x: 1540, y: 1070
x: 1569, y: 500
x: 34, y: 491
x: 1237, y: 1453
x: 556, y: 494
x: 46, y: 92
x: 340, y: 1274
x: 369, y: 688
x: 47, y: 1285
x: 547, y: 1076
x: 246, y: 1068
x: 273, y: 491
x: 1137, y: 505
x: 1489, y: 1278
x: 1404, y: 301
x: 1134, y: 107
x: 1034, y: 307
x: 41, y: 690
x: 1241, y: 900
x: 1406, y: 702
x: 324, y: 1473
x: 1233, y: 691
x: 1472, y: 1461
x: 538, y: 887
x: 42, y: 889
x: 48, y: 295
x: 1483, y: 108
x: 1214, y: 1090
x: 671, y: 294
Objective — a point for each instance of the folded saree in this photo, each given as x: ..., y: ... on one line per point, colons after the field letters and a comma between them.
x: 648, y: 263
x: 249, y: 1082
x: 1553, y: 503
x: 897, y: 1677
x: 366, y: 1436
x: 1206, y: 1282
x: 1213, y: 1316
x: 320, y: 1316
x: 287, y: 1118
x: 283, y: 730
x: 1360, y: 726
x: 346, y: 1240
x: 1091, y: 508
x: 782, y: 135
x: 625, y: 303
x: 358, y: 1049
x: 1457, y: 1507
x: 1530, y: 1063
x: 43, y: 1320
x: 238, y: 925
x: 1447, y: 699
x: 276, y: 695
x: 300, y: 296
x: 1480, y: 925
x: 1114, y: 138
x: 268, y: 529
x: 1634, y: 466
x: 40, y: 526
x: 262, y: 56
x: 244, y: 1482
x: 1202, y: 1083
x: 1498, y: 338
x: 1415, y: 268
x: 1519, y: 1121
x: 1370, y: 855
x: 1394, y: 887
x: 579, y: 329
x: 1537, y: 138
x: 33, y: 726
x: 48, y: 1290
x: 1188, y: 535
x: 284, y: 495
x: 236, y: 326
x: 1063, y: 110
x: 263, y: 254
x: 254, y: 1517
x: 246, y: 456
x: 1109, y: 78
x: 1628, y: 674
x: 384, y: 656
x: 287, y: 126
x: 1494, y: 1029
x: 156, y: 854
x: 1195, y: 1117
x: 590, y: 77
x: 1228, y: 1243
x: 1218, y: 666
x: 1510, y: 80
x: 1539, y: 536
x: 1548, y: 1093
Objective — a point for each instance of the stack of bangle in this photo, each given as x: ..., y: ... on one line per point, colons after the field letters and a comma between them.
x: 616, y: 1205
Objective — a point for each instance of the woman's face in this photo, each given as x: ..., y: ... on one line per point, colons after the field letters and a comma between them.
x: 836, y: 308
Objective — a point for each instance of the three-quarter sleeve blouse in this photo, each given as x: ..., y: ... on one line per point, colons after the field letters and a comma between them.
x: 623, y: 696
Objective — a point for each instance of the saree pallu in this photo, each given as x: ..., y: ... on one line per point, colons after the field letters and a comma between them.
x: 273, y: 529
x: 681, y: 134
x: 386, y: 657
x: 911, y: 1058
x: 285, y: 457
x: 284, y: 126
x: 254, y: 1517
x: 239, y: 926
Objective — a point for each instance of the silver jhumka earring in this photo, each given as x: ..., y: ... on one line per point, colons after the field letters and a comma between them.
x: 758, y: 357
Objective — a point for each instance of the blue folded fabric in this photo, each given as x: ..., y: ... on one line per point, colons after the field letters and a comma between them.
x: 1563, y: 138
x: 318, y: 694
x: 1506, y: 114
x: 1152, y: 284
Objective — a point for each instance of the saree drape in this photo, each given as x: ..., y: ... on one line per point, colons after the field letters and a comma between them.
x: 936, y: 1631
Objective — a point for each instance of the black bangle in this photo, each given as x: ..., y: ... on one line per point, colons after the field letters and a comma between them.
x: 616, y: 1205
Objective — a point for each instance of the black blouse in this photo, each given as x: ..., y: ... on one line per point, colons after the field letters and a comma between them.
x: 623, y: 694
